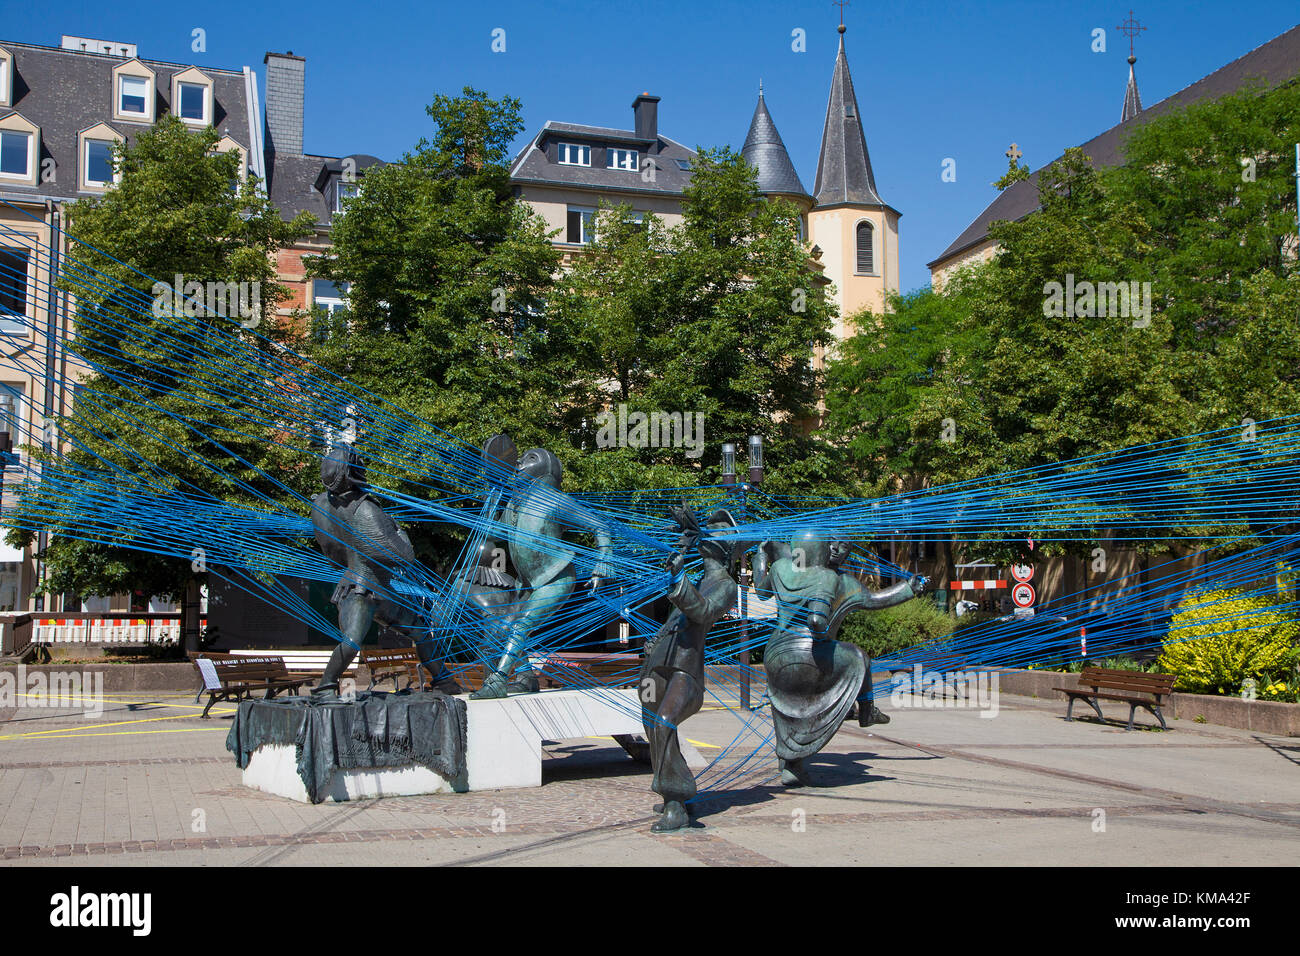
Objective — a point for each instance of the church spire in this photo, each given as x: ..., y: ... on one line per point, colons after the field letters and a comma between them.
x: 1132, y: 102
x: 844, y: 168
x: 765, y: 151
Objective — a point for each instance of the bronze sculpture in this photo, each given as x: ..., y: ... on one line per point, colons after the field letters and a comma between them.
x: 671, y: 682
x: 813, y: 680
x: 536, y: 519
x: 355, y: 534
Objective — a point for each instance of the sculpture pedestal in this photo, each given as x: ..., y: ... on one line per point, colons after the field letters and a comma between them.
x: 274, y: 769
x: 504, y: 747
x: 505, y: 736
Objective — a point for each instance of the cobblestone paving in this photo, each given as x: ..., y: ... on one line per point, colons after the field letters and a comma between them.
x: 149, y: 783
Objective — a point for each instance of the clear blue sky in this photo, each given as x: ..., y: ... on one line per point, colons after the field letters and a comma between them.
x: 934, y: 80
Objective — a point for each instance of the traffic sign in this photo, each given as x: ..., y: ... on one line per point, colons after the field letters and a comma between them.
x: 1023, y: 595
x: 1024, y: 573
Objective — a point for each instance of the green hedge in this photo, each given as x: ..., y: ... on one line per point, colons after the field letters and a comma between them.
x: 897, y: 628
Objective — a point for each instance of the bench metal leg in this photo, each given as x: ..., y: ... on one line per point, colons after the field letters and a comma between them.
x: 212, y: 699
x: 1069, y: 711
x: 1132, y: 709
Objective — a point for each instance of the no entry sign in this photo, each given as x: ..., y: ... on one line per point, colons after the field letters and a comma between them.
x: 1024, y: 573
x: 1023, y: 595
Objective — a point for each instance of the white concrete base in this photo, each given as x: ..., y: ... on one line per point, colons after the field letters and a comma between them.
x: 274, y: 769
x: 504, y: 747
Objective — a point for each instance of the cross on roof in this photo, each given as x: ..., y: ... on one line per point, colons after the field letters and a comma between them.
x: 1130, y: 28
x: 1014, y: 152
x: 841, y: 4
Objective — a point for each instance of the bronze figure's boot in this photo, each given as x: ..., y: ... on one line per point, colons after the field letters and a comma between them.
x: 674, y: 817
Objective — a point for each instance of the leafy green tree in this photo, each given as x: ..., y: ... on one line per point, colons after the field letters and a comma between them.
x: 447, y: 273
x: 879, y: 377
x: 1203, y: 211
x: 180, y: 208
x: 718, y: 316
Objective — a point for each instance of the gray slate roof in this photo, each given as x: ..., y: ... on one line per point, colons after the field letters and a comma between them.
x: 65, y: 92
x: 766, y: 153
x: 1276, y: 62
x: 844, y: 168
x: 536, y: 163
x: 300, y: 183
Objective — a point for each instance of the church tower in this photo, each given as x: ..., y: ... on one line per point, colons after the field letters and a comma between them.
x: 855, y: 229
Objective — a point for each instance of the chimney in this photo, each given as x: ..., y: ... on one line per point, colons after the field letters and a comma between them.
x: 285, y: 74
x: 645, y: 116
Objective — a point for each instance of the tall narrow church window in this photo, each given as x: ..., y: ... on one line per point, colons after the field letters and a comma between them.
x: 866, y: 251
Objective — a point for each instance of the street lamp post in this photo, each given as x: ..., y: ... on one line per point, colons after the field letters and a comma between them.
x: 745, y: 576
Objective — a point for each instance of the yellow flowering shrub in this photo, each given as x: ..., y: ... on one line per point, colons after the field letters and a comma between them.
x: 1217, y: 639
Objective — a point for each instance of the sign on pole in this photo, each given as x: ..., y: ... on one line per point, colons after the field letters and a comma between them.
x: 1023, y: 595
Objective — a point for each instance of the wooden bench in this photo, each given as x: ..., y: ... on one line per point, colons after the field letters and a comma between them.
x: 384, y: 663
x: 1137, y: 689
x: 568, y: 671
x: 238, y: 678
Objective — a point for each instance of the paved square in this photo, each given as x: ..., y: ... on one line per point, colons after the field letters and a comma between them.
x: 148, y: 783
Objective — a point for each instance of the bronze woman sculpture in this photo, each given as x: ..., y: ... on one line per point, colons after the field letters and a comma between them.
x: 813, y: 680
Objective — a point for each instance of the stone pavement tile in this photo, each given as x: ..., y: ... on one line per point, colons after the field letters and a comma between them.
x: 1171, y: 839
x: 1020, y: 778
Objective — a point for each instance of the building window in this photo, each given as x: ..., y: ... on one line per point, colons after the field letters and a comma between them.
x: 621, y: 159
x: 866, y: 249
x: 11, y: 418
x: 13, y: 291
x: 192, y: 102
x: 344, y: 190
x: 581, y: 225
x: 99, y: 162
x: 329, y: 309
x: 16, y: 154
x: 6, y: 84
x: 133, y: 95
x: 573, y: 154
x: 684, y: 165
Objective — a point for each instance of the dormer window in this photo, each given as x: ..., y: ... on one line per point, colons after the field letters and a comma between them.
x: 133, y: 92
x: 99, y: 162
x: 192, y: 97
x: 6, y: 77
x: 344, y: 190
x: 192, y: 102
x: 15, y: 153
x: 133, y: 95
x: 96, y: 151
x: 20, y: 148
x: 574, y: 154
x: 621, y: 159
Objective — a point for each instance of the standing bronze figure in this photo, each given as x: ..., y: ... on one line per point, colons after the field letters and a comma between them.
x: 672, y: 675
x: 536, y: 519
x: 355, y: 534
x: 813, y: 680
